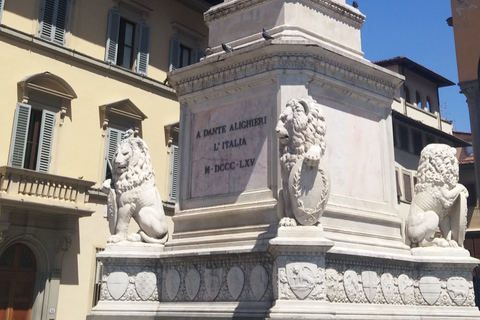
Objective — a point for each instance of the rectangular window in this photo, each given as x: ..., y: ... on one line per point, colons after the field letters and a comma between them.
x: 182, y: 55
x: 407, y: 186
x: 417, y: 142
x: 53, y: 21
x: 32, y: 138
x: 128, y: 43
x: 403, y: 133
x: 125, y: 44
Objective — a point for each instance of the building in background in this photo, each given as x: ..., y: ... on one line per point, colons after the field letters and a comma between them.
x: 75, y: 76
x: 417, y: 121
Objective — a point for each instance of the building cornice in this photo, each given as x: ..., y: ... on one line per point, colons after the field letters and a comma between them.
x: 84, y: 59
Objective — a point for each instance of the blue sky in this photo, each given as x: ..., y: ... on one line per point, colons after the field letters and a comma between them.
x: 417, y: 30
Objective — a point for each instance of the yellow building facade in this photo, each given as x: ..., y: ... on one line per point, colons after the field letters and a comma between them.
x: 75, y: 76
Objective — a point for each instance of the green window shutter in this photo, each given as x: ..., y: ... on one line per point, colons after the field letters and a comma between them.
x: 45, y: 141
x: 174, y: 173
x: 143, y: 49
x: 112, y: 36
x: 114, y: 136
x: 1, y: 9
x: 197, y: 55
x: 61, y: 22
x: 19, y: 135
x: 174, y: 53
x: 54, y: 20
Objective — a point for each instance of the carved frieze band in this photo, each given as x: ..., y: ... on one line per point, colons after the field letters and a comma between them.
x: 285, y: 60
x: 354, y: 18
x: 297, y: 279
x: 397, y: 287
x: 239, y: 282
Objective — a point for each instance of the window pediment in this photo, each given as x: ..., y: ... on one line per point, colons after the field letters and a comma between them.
x: 48, y: 83
x: 124, y: 109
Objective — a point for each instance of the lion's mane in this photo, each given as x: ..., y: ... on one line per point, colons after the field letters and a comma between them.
x: 436, y: 192
x: 437, y: 166
x: 301, y: 125
x: 139, y: 169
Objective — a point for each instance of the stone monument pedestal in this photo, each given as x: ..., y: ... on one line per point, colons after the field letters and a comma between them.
x: 228, y: 256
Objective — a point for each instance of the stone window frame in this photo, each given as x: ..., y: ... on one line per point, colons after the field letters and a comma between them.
x: 50, y: 94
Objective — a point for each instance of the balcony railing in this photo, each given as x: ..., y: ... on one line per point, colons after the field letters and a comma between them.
x: 43, y: 192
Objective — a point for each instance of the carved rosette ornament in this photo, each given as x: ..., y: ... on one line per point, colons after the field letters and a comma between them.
x: 306, y: 185
x: 439, y: 200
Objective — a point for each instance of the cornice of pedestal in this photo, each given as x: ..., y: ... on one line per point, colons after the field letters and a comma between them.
x: 339, y: 11
x: 258, y: 64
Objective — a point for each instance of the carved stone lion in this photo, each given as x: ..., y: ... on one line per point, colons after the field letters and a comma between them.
x: 439, y: 200
x: 301, y: 134
x: 132, y: 192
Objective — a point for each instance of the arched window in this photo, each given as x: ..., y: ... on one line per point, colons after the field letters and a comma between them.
x: 429, y: 105
x: 407, y: 95
x: 418, y: 99
x: 17, y: 282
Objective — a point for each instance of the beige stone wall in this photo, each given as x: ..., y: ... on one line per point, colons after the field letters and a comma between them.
x: 466, y: 23
x: 80, y: 142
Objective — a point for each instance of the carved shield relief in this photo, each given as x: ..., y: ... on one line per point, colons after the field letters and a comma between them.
x: 258, y: 281
x: 145, y: 284
x: 213, y: 282
x: 192, y: 283
x: 350, y: 282
x: 388, y: 286
x: 369, y: 280
x: 406, y: 289
x: 457, y: 288
x: 117, y: 283
x: 301, y: 278
x: 309, y: 188
x: 235, y: 279
x: 172, y: 283
x: 430, y: 288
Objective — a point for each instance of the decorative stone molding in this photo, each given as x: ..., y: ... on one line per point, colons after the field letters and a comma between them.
x: 355, y: 18
x: 288, y: 61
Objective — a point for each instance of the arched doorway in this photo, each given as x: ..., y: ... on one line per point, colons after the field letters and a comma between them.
x: 17, y: 281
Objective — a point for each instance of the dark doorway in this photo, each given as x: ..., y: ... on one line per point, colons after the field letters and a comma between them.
x: 17, y: 281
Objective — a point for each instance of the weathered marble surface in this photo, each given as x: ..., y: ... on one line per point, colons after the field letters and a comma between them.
x: 439, y: 200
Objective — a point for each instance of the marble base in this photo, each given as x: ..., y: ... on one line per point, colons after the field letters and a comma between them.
x: 301, y: 276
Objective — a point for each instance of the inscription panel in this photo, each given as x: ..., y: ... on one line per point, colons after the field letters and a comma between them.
x: 230, y: 148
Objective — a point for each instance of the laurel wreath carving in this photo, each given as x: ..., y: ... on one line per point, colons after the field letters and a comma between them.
x: 297, y: 191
